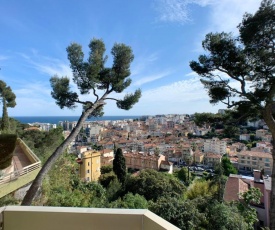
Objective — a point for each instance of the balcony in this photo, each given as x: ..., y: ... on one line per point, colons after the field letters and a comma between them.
x: 24, y: 168
x: 64, y: 218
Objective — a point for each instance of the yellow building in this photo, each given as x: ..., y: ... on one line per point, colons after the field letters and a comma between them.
x: 89, y: 165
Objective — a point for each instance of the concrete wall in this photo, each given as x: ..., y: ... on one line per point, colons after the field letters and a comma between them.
x: 59, y: 218
x: 31, y: 156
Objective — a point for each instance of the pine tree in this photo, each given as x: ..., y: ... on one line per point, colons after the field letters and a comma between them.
x: 95, y: 81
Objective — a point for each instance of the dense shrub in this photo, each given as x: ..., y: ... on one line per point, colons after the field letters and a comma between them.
x: 7, y: 146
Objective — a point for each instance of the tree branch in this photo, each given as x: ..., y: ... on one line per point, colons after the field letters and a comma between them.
x: 235, y: 78
x: 110, y: 98
x: 95, y: 94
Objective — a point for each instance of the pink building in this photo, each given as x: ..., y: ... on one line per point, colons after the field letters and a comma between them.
x: 237, y: 184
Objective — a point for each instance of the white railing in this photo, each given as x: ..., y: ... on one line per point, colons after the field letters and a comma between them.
x: 6, y: 178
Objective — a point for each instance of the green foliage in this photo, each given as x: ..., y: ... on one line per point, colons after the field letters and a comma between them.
x: 106, y: 169
x: 70, y: 191
x: 222, y: 217
x: 184, y: 215
x: 8, y: 200
x: 43, y: 143
x: 182, y: 174
x: 92, y: 75
x: 200, y: 188
x: 218, y: 180
x: 106, y: 178
x: 7, y: 146
x: 227, y: 166
x: 16, y: 126
x: 201, y: 119
x: 252, y: 196
x: 130, y: 201
x: 114, y: 190
x: 231, y: 131
x: 149, y: 181
x: 8, y: 100
x: 119, y: 166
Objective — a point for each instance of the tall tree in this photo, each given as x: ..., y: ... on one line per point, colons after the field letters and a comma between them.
x: 227, y: 166
x: 249, y: 61
x: 93, y: 77
x: 119, y: 166
x: 8, y: 100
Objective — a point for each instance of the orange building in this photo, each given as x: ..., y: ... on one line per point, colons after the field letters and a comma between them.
x: 143, y: 161
x: 89, y: 165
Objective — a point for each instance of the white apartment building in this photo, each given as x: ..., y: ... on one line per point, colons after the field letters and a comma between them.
x: 215, y: 145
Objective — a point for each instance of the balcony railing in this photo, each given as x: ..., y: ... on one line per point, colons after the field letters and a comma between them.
x: 66, y: 218
x: 6, y: 178
x: 16, y: 179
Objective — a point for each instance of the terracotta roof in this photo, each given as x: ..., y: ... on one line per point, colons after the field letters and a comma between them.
x: 233, y: 187
x: 255, y: 154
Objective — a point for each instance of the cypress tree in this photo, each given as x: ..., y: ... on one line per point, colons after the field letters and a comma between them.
x: 8, y: 100
x: 119, y: 166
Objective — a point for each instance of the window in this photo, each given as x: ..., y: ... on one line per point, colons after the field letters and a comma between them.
x: 248, y: 162
x: 260, y: 158
x: 254, y: 158
x: 267, y: 159
x: 247, y: 157
x: 266, y: 164
x: 88, y: 163
x: 254, y: 163
x: 242, y: 162
x: 88, y: 179
x: 88, y: 171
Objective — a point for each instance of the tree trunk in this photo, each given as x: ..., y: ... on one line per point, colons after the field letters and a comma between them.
x: 36, y: 184
x: 268, y: 118
x: 5, y: 118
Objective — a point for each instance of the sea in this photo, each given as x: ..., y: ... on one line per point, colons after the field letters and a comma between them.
x: 56, y: 119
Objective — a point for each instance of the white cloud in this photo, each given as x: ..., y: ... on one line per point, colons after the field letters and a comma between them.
x: 2, y: 57
x: 49, y: 66
x: 227, y: 14
x: 143, y: 62
x: 151, y: 78
x: 172, y: 10
x: 178, y: 10
x: 181, y: 91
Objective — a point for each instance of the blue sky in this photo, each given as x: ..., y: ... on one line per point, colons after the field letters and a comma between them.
x: 165, y: 36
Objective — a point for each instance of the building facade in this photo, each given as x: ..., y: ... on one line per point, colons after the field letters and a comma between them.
x: 90, y: 164
x: 252, y: 160
x: 215, y: 145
